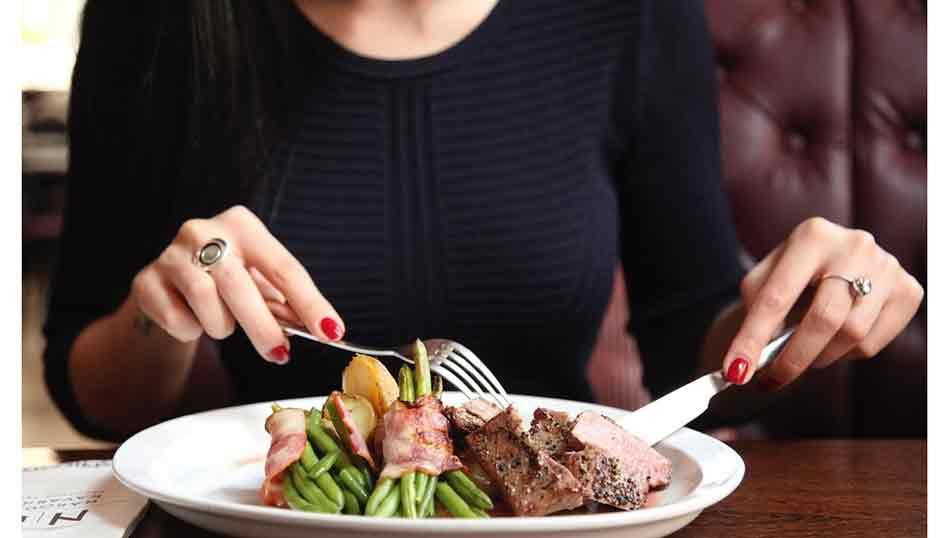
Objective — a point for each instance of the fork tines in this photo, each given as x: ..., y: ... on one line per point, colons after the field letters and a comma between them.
x: 461, y: 367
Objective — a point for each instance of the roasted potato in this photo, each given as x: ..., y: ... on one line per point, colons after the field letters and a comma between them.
x: 367, y: 377
x: 362, y: 411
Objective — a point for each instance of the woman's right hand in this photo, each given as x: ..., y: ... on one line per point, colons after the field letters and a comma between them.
x: 256, y: 278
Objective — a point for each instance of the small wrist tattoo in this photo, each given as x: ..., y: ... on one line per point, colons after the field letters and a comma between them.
x: 143, y: 323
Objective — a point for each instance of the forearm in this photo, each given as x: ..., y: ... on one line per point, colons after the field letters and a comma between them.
x: 127, y: 374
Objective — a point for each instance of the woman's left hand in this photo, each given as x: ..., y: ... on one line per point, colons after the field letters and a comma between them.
x: 839, y: 322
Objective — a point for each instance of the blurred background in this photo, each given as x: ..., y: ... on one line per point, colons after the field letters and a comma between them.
x: 824, y: 112
x: 49, y: 36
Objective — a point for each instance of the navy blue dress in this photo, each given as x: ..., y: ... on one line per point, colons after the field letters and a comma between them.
x: 483, y: 194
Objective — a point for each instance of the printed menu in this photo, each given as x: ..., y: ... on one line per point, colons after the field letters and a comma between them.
x: 77, y: 500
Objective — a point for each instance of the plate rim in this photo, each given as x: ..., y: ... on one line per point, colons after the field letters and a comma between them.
x: 695, y: 501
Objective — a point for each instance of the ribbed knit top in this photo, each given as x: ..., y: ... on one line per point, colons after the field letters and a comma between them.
x: 485, y: 194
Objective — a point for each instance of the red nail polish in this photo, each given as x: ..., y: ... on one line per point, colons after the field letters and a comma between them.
x: 737, y: 370
x: 331, y: 328
x: 280, y: 354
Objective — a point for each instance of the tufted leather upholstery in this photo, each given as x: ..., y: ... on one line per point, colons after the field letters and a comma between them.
x: 823, y: 111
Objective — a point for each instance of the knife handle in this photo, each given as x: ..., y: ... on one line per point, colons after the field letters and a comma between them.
x: 770, y: 351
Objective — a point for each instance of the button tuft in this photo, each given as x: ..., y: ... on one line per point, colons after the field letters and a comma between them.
x: 796, y: 142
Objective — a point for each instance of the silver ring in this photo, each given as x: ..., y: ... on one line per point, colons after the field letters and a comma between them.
x: 211, y: 253
x: 861, y: 286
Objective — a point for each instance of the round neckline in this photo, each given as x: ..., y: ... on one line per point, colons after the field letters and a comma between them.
x: 480, y: 36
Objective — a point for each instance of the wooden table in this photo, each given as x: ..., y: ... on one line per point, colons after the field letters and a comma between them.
x: 791, y: 489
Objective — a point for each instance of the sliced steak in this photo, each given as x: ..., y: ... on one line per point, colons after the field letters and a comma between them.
x: 593, y: 430
x: 478, y: 475
x: 471, y: 415
x: 549, y: 431
x: 605, y: 479
x: 531, y: 481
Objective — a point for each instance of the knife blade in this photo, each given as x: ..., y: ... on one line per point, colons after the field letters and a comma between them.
x: 658, y: 420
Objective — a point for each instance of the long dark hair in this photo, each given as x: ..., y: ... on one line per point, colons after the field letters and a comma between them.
x: 185, y: 97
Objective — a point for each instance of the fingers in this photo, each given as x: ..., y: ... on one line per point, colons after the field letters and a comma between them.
x: 756, y: 278
x: 268, y: 290
x: 200, y: 292
x: 827, y: 314
x: 284, y: 313
x: 794, y: 268
x: 863, y: 315
x: 895, y: 315
x: 158, y: 300
x: 285, y: 273
x: 239, y: 292
x: 227, y: 293
x: 255, y: 281
x: 836, y: 323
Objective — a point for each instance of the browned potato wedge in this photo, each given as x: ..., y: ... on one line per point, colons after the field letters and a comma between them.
x: 362, y: 412
x: 369, y: 378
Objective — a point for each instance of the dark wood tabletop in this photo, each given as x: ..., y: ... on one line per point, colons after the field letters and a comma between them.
x: 840, y: 489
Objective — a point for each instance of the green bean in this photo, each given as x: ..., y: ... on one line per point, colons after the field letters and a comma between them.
x: 356, y: 472
x: 423, y: 386
x: 316, y: 471
x: 407, y: 487
x: 383, y: 487
x: 293, y: 498
x: 310, y: 492
x: 479, y: 512
x: 407, y: 388
x: 350, y: 504
x: 467, y: 489
x: 452, y: 502
x: 356, y: 476
x: 309, y: 458
x: 348, y: 477
x: 422, y: 480
x: 341, y: 431
x: 426, y: 507
x: 367, y: 478
x: 423, y: 379
x: 390, y: 504
x: 407, y: 393
x: 324, y: 442
x: 330, y: 488
x: 323, y: 465
x: 423, y: 382
x: 360, y: 472
x: 437, y: 386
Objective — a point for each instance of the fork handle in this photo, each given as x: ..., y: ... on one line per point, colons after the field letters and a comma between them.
x: 342, y: 344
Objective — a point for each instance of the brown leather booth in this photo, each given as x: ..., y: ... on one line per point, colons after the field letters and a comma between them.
x: 823, y: 113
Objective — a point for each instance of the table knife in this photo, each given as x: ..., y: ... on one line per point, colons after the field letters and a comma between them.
x: 658, y: 420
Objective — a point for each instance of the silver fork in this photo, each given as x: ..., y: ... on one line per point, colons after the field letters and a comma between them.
x: 454, y: 362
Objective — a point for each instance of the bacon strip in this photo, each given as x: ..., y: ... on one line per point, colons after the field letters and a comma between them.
x: 417, y: 439
x: 354, y: 438
x: 272, y: 492
x: 288, y: 431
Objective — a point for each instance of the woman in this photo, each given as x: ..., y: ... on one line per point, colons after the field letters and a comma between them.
x: 470, y: 170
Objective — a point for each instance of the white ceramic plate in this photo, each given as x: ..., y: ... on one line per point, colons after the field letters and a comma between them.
x: 207, y: 469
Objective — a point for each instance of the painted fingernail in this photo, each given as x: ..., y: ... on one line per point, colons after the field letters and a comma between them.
x: 768, y: 384
x: 280, y: 354
x: 737, y: 369
x: 331, y: 328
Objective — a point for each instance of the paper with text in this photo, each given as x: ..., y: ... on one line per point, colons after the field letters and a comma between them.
x: 77, y: 500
